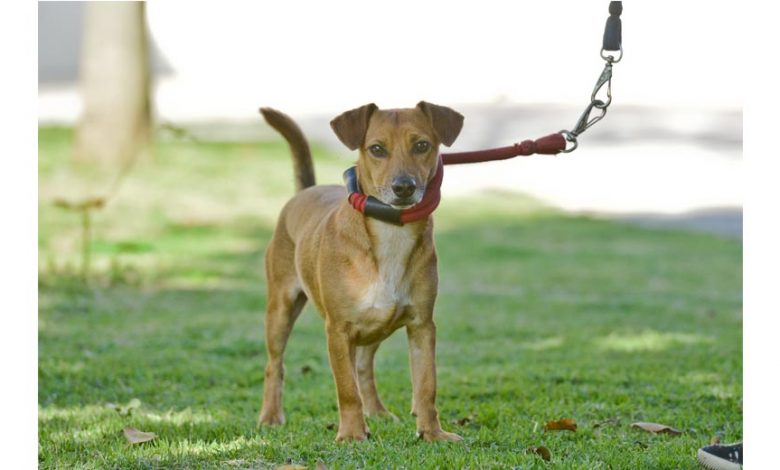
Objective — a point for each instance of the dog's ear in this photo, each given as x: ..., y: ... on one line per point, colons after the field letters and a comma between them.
x: 351, y: 126
x: 446, y: 122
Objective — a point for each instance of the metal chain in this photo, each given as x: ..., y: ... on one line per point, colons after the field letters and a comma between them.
x: 600, y: 104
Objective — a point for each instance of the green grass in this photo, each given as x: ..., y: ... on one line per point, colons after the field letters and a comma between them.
x: 540, y: 316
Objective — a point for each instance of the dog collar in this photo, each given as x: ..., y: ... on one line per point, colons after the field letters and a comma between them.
x: 373, y: 207
x: 552, y: 144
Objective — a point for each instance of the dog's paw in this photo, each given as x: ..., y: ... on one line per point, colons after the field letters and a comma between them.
x: 275, y: 418
x: 438, y: 435
x: 348, y: 436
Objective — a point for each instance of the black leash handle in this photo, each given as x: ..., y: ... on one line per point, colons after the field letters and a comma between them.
x: 613, y: 34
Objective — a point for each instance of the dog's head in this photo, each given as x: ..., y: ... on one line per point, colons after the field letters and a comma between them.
x: 399, y: 148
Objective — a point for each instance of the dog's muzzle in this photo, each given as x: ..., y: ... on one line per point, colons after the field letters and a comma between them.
x: 422, y: 201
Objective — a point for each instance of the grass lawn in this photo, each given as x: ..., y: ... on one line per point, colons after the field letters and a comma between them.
x: 541, y: 316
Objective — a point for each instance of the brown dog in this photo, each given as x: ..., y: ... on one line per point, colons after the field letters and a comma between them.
x: 366, y: 277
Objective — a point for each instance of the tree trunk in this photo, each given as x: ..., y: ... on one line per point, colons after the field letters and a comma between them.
x: 116, y: 122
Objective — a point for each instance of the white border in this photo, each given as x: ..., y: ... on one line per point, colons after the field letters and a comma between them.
x: 761, y: 241
x: 19, y: 268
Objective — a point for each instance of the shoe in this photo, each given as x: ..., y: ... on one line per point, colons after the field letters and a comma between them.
x: 721, y: 457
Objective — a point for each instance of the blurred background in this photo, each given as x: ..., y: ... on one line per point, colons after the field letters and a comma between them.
x: 668, y: 153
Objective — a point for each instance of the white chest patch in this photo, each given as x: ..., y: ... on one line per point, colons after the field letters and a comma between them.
x: 390, y: 286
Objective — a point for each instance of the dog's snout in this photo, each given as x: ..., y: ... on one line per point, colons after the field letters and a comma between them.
x: 403, y: 186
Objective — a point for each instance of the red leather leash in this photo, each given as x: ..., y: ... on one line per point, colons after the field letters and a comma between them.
x: 548, y: 145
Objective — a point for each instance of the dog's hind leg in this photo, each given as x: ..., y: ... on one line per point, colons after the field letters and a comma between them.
x: 372, y: 404
x: 282, y: 313
x: 285, y: 302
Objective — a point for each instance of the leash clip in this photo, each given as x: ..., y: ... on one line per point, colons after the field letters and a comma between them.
x: 569, y: 138
x: 585, y: 121
x: 604, y: 79
x: 610, y: 58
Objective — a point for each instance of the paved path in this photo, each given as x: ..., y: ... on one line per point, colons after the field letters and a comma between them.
x: 726, y: 222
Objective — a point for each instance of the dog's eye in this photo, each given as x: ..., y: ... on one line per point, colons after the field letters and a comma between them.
x: 422, y: 146
x: 377, y: 151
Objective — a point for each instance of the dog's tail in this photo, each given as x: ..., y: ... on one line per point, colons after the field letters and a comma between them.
x: 302, y: 164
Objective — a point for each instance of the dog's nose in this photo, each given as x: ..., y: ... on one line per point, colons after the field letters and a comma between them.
x: 403, y: 186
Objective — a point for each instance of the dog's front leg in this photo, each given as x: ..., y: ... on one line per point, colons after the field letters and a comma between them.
x: 422, y: 357
x: 341, y: 351
x: 372, y: 404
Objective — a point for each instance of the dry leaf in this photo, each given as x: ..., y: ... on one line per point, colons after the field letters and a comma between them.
x: 715, y: 440
x: 135, y: 436
x: 657, y: 428
x: 320, y: 466
x: 542, y: 452
x: 564, y: 424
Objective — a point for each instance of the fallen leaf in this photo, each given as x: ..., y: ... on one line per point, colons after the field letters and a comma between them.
x: 320, y: 466
x: 656, y: 428
x: 135, y: 436
x: 542, y: 452
x: 564, y: 424
x: 715, y: 440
